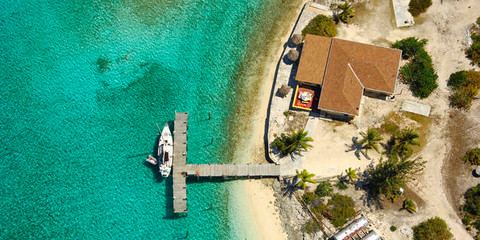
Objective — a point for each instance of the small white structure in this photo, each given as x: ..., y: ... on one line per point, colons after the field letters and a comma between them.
x: 403, y: 17
x: 351, y: 229
x: 417, y: 108
x: 372, y: 235
x: 319, y: 6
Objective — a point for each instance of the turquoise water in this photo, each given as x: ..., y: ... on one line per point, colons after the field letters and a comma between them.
x: 83, y: 85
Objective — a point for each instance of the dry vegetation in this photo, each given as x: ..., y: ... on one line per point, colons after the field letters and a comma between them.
x: 395, y: 121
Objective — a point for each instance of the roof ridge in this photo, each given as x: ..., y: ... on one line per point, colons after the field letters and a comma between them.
x: 325, y: 73
x: 355, y: 74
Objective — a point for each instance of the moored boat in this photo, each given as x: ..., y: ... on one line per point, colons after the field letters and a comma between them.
x: 151, y: 160
x: 165, y: 149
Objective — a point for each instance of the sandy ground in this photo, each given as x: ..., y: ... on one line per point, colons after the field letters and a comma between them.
x: 266, y: 217
x: 444, y: 26
x: 260, y: 196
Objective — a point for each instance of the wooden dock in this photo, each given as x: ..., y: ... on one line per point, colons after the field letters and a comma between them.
x: 233, y: 170
x: 179, y: 163
x: 181, y: 169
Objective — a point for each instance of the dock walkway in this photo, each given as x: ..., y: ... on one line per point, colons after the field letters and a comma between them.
x: 179, y: 162
x: 181, y: 170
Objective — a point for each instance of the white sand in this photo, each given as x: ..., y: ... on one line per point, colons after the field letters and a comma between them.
x: 261, y: 200
x: 259, y: 196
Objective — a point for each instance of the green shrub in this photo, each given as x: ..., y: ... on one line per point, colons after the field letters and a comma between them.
x: 310, y: 227
x: 321, y: 25
x: 473, y: 52
x: 432, y: 229
x: 319, y: 210
x: 409, y: 46
x: 415, y: 7
x: 467, y: 219
x: 471, y: 208
x: 410, y: 205
x: 472, y: 156
x: 288, y: 113
x: 419, y: 72
x: 457, y: 79
x: 308, y: 197
x: 324, y: 189
x: 342, y: 185
x: 393, y: 228
x: 341, y: 209
x: 465, y: 85
x: 472, y: 201
x: 461, y: 99
x: 476, y: 224
x: 478, y: 21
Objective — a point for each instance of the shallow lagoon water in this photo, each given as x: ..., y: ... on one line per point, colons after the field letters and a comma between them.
x: 83, y: 85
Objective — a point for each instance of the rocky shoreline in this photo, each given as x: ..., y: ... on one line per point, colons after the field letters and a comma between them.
x: 293, y: 215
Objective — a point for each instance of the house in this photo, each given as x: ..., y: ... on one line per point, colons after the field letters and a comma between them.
x: 345, y: 71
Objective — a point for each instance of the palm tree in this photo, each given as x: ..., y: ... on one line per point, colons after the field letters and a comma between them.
x: 351, y: 174
x: 304, y: 177
x: 409, y: 205
x: 347, y: 12
x: 404, y: 139
x: 370, y: 140
x: 294, y: 142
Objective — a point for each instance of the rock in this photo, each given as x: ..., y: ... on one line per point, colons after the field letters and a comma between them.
x: 276, y: 186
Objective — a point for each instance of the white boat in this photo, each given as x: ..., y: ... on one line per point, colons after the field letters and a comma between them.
x: 151, y: 160
x: 165, y: 150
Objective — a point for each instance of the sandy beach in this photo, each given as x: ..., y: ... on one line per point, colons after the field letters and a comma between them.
x: 260, y: 196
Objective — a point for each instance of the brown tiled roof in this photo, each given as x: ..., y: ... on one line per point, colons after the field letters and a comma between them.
x: 341, y: 91
x: 345, y: 68
x: 314, y: 58
x: 376, y: 67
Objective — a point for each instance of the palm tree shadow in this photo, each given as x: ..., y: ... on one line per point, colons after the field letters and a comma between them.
x: 290, y: 186
x: 357, y: 148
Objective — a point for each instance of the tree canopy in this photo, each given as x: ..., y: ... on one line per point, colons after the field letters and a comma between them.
x: 432, y: 229
x: 410, y: 46
x: 419, y: 72
x: 351, y: 174
x: 403, y: 142
x: 415, y: 7
x: 388, y: 176
x: 303, y: 178
x: 295, y: 142
x: 347, y: 12
x: 321, y: 25
x: 370, y: 139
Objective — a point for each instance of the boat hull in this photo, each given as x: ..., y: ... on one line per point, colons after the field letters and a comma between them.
x: 165, y: 150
